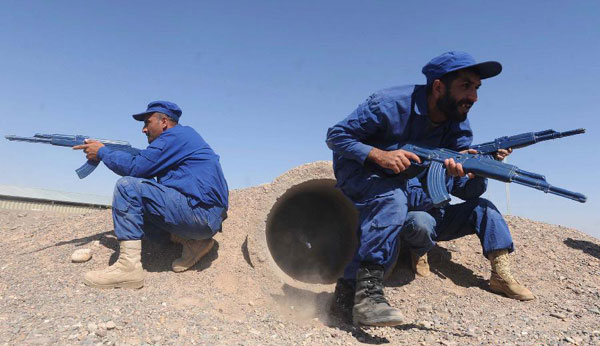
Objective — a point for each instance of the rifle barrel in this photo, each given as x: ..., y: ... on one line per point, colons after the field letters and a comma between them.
x: 551, y: 134
x: 542, y: 185
x: 28, y: 139
x: 572, y: 132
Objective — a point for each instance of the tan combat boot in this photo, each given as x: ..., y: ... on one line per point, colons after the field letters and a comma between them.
x: 420, y: 264
x: 126, y: 272
x: 192, y: 251
x: 502, y: 281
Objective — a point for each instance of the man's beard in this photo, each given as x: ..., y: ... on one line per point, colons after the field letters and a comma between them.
x: 449, y: 106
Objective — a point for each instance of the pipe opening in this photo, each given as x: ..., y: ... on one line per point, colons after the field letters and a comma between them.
x: 311, y: 231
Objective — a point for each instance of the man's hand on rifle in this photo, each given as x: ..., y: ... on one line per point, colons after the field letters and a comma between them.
x: 501, y: 154
x: 455, y: 169
x: 90, y: 148
x: 396, y: 160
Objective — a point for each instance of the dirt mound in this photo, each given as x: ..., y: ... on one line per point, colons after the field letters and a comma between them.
x: 239, y: 294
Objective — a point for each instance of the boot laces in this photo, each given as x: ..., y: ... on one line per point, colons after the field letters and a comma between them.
x: 502, y: 267
x: 375, y: 293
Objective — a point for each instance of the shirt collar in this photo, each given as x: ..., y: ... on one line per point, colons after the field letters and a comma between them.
x: 421, y: 107
x: 420, y: 98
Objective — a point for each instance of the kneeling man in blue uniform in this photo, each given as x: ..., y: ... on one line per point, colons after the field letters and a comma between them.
x: 367, y: 160
x: 174, y: 188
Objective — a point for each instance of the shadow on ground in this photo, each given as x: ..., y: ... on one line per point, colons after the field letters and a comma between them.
x: 79, y: 241
x: 585, y: 246
x: 441, y: 264
x: 444, y: 267
x: 158, y: 256
x: 308, y: 305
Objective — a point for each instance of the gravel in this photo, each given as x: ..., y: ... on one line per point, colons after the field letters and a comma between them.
x: 232, y: 297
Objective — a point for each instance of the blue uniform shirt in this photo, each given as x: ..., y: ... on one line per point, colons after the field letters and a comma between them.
x: 387, y: 120
x: 180, y: 159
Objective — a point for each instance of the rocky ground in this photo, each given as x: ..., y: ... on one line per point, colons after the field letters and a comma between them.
x: 227, y: 299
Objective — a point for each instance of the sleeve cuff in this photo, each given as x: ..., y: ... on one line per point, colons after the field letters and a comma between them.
x: 102, y: 151
x: 362, y: 152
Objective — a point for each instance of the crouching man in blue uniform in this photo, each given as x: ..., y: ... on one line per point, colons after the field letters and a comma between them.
x: 367, y: 160
x: 187, y: 201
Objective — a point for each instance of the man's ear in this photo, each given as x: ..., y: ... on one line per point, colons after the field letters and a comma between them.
x: 164, y: 123
x: 438, y: 88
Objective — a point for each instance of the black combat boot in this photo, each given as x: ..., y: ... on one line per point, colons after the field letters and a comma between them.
x: 343, y: 300
x: 370, y: 306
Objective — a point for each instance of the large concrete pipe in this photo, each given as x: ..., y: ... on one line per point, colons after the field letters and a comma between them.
x: 310, y: 228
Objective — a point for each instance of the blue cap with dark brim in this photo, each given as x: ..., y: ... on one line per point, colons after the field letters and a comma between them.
x: 453, y: 61
x: 165, y: 107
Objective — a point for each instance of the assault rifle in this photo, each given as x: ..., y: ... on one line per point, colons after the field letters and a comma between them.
x: 73, y: 140
x: 522, y: 140
x: 480, y: 165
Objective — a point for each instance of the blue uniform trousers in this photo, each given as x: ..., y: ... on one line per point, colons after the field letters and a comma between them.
x: 145, y: 207
x: 381, y: 217
x: 477, y: 216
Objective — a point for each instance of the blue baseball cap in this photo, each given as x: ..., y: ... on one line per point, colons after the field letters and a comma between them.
x: 165, y: 107
x: 452, y: 61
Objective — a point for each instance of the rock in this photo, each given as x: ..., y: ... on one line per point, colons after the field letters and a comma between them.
x: 40, y: 340
x: 570, y: 339
x: 558, y: 315
x: 425, y: 308
x: 110, y: 325
x: 81, y: 255
x: 92, y: 327
x: 425, y: 324
x: 429, y: 340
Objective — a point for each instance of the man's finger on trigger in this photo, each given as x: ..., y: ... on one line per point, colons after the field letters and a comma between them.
x: 414, y: 156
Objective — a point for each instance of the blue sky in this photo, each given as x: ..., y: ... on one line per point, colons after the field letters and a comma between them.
x: 263, y: 80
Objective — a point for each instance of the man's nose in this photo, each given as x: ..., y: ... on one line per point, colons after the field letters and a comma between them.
x: 472, y: 96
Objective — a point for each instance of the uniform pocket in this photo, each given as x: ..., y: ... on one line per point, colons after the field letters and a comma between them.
x: 385, y: 209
